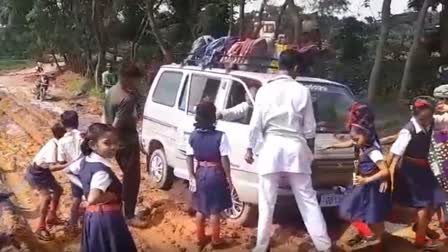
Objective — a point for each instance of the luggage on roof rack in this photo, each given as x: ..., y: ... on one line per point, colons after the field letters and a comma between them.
x: 198, y: 49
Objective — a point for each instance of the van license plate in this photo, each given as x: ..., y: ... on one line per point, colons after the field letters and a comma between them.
x: 330, y: 200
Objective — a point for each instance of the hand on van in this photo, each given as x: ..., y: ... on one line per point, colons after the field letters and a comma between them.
x: 249, y: 157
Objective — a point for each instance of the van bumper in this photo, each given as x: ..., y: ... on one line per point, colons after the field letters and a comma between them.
x: 246, y: 185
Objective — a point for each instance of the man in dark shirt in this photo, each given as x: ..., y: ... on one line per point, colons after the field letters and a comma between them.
x: 120, y: 110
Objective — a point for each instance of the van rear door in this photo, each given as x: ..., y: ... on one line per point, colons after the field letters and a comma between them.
x: 201, y: 86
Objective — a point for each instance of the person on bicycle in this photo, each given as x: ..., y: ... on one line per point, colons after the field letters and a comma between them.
x: 39, y: 68
x: 43, y: 81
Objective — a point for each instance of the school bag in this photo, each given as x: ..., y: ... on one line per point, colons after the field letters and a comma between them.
x: 198, y: 49
x: 254, y: 55
x: 216, y: 49
x: 232, y: 54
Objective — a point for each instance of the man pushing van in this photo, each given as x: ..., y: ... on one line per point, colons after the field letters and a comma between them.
x: 283, y: 117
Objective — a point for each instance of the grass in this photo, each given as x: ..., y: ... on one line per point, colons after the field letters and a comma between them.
x: 86, y: 85
x: 12, y: 64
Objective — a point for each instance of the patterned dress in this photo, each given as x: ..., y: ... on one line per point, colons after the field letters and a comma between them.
x: 438, y: 158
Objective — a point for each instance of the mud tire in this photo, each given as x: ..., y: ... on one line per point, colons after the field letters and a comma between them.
x: 160, y: 173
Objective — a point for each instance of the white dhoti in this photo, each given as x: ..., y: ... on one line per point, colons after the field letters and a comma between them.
x: 278, y: 156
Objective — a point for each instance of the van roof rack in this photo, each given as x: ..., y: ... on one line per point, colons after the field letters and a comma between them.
x: 235, y: 61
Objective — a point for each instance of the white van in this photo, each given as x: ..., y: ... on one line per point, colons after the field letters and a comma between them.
x: 169, y: 116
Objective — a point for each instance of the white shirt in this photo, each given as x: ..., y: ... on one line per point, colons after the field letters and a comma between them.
x: 376, y: 156
x: 47, y: 154
x: 283, y: 119
x: 404, y: 136
x: 100, y: 180
x: 224, y: 147
x: 70, y: 146
x: 235, y: 113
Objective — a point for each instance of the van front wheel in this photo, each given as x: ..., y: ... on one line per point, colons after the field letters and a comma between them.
x: 159, y: 171
x: 241, y: 213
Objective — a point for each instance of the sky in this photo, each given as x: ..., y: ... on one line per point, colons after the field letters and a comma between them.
x: 355, y: 9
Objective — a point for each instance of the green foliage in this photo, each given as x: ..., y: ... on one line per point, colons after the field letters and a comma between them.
x: 9, y: 64
x: 352, y: 39
x: 331, y: 7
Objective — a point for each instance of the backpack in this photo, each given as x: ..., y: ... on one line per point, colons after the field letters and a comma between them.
x: 198, y: 49
x: 216, y: 49
x: 254, y: 55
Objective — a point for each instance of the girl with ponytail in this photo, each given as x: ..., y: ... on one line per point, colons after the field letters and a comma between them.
x: 104, y: 226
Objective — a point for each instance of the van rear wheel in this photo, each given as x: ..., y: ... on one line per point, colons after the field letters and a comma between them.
x: 241, y: 213
x: 159, y: 171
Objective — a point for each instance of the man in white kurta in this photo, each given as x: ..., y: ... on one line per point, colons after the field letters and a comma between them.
x: 283, y: 120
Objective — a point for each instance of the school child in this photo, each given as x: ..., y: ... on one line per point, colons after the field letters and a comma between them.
x: 440, y: 93
x: 39, y: 175
x: 210, y: 182
x: 416, y: 185
x: 104, y: 227
x: 69, y: 151
x: 369, y: 201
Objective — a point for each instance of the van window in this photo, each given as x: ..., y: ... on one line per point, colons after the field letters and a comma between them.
x: 167, y: 87
x: 201, y: 88
x: 239, y: 106
x: 183, y: 100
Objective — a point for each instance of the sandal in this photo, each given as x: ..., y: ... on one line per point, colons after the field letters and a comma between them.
x: 355, y: 240
x: 56, y: 222
x: 431, y: 234
x: 43, y: 234
x: 201, y: 244
x: 430, y: 245
x: 366, y: 242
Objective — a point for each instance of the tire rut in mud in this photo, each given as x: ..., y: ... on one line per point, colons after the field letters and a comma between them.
x: 23, y: 134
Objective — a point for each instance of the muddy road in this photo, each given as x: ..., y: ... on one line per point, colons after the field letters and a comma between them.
x: 24, y: 127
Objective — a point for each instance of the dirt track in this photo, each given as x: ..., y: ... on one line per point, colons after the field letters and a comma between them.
x: 24, y: 127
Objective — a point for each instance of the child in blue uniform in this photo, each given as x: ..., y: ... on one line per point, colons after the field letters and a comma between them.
x: 39, y: 175
x: 369, y: 200
x: 210, y: 182
x: 104, y: 228
x: 417, y: 186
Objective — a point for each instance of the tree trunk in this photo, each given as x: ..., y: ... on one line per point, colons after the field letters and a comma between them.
x: 444, y: 32
x: 298, y: 21
x: 278, y: 22
x: 98, y: 28
x: 156, y: 32
x: 56, y: 61
x: 242, y: 5
x: 100, y: 60
x: 412, y: 55
x: 229, y: 33
x: 136, y: 42
x: 377, y: 66
x: 260, y: 18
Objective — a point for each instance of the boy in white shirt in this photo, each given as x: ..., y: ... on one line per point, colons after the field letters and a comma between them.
x: 39, y: 175
x: 69, y: 151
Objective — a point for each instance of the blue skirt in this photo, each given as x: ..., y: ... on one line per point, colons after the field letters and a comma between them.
x: 417, y: 187
x: 212, y: 194
x: 366, y: 203
x: 106, y: 232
